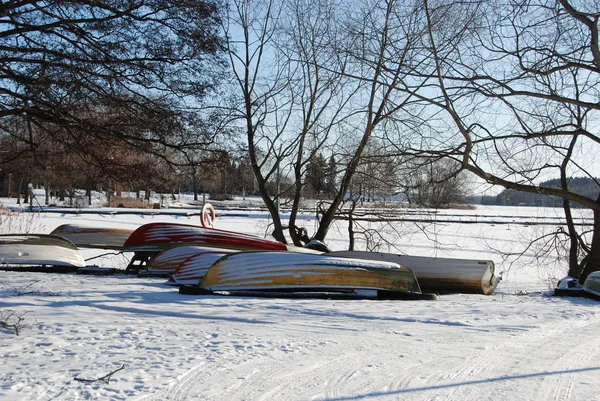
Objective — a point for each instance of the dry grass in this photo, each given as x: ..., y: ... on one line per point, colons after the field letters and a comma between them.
x: 18, y: 222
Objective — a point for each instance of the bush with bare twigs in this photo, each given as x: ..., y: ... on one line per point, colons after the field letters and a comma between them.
x: 18, y: 222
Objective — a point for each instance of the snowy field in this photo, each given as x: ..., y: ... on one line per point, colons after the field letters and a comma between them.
x: 519, y: 344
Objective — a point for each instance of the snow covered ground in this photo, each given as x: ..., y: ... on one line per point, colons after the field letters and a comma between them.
x: 519, y: 344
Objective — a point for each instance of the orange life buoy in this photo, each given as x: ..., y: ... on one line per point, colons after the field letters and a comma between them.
x: 208, y: 216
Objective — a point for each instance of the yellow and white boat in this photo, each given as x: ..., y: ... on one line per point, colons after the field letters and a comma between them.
x: 276, y: 273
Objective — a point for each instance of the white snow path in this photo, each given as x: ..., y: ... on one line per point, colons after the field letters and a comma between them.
x: 180, y: 347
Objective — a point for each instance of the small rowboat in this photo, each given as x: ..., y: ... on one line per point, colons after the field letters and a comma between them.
x: 166, y: 262
x: 149, y: 239
x: 440, y: 275
x: 159, y: 236
x: 39, y: 252
x: 257, y: 273
x: 194, y: 268
x: 93, y: 237
x: 591, y: 286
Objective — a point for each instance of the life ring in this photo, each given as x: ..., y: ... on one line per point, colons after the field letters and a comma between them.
x: 208, y: 216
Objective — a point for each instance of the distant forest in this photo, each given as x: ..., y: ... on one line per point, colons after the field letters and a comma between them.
x: 581, y: 185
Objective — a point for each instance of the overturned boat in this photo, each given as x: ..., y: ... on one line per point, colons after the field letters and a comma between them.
x: 158, y: 236
x: 591, y: 286
x: 39, y: 253
x: 149, y: 239
x: 303, y: 274
x: 93, y: 237
x: 192, y: 270
x: 166, y: 262
x: 440, y: 275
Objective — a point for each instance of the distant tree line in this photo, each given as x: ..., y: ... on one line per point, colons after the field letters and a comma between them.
x: 585, y: 186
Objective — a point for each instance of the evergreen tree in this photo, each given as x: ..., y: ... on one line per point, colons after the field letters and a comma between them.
x: 316, y: 174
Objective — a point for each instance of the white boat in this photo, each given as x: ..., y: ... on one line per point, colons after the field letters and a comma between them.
x: 440, y: 275
x: 254, y: 273
x: 591, y: 286
x: 39, y: 252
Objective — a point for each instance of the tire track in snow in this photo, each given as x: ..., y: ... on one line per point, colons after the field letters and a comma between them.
x: 581, y: 345
x: 496, y: 372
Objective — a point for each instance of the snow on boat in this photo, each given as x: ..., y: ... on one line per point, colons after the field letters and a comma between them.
x: 93, y: 237
x: 193, y: 269
x: 591, y: 286
x: 39, y: 252
x: 149, y: 239
x: 256, y: 273
x: 167, y: 261
x: 441, y: 275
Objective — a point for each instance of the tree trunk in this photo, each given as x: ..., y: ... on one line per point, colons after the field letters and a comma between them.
x: 574, y: 267
x: 591, y: 262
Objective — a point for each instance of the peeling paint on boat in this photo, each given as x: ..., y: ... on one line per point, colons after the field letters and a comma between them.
x: 287, y: 270
x: 93, y: 237
x: 441, y: 275
x: 159, y: 236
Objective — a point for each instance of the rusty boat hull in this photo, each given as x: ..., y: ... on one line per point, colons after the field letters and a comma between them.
x: 440, y: 275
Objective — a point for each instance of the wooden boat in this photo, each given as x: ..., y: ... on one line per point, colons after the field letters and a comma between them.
x: 257, y: 273
x: 591, y: 286
x: 194, y: 268
x: 93, y: 237
x: 441, y: 275
x: 39, y: 252
x: 149, y: 239
x: 166, y: 262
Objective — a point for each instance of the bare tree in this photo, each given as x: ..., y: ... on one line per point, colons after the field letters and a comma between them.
x: 312, y: 80
x: 91, y: 75
x: 512, y: 95
x: 434, y: 183
x: 291, y: 100
x: 369, y: 36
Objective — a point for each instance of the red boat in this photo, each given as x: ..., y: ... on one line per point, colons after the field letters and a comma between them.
x: 152, y: 238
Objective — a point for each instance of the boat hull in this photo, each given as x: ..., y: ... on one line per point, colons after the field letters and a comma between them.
x: 167, y: 261
x: 441, y: 275
x: 193, y: 269
x: 93, y: 237
x: 154, y: 237
x: 260, y: 271
x: 35, y: 251
x: 591, y: 286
